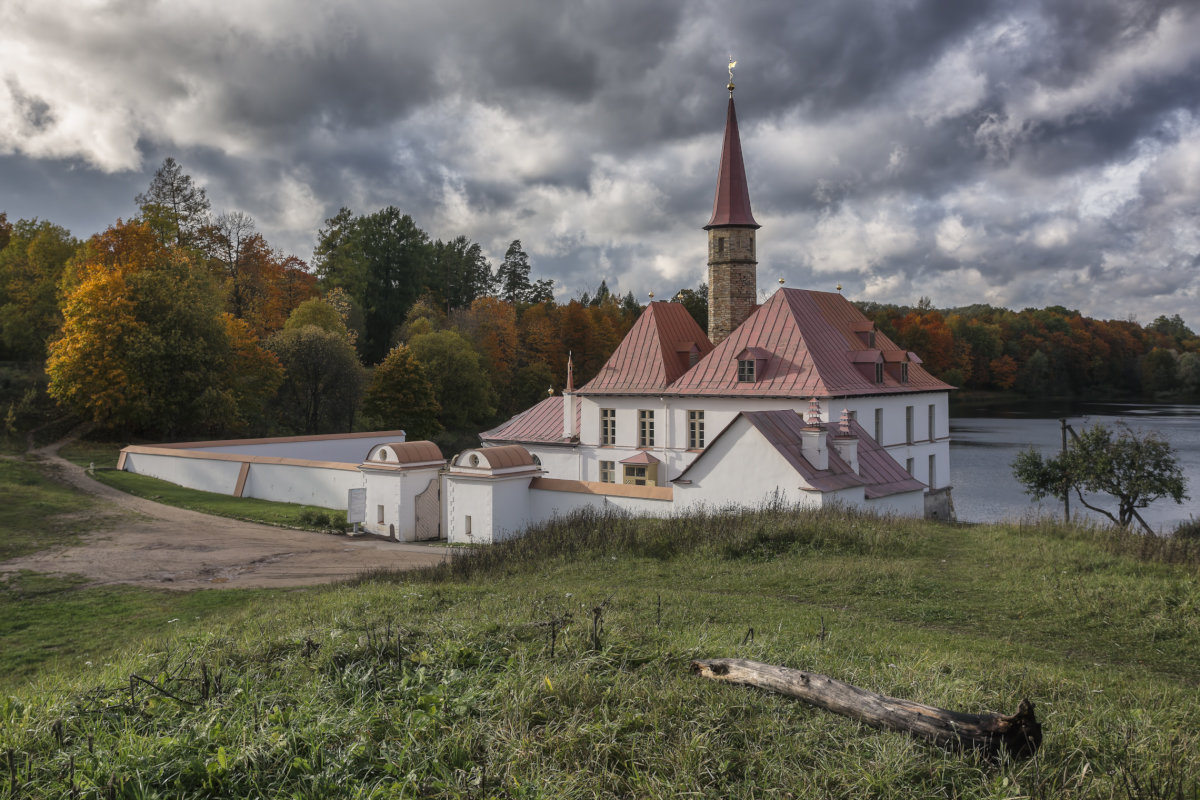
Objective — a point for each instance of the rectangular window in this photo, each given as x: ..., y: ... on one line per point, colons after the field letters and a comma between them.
x: 879, y: 425
x: 379, y: 516
x: 645, y: 428
x: 879, y: 372
x: 854, y: 414
x: 871, y: 339
x: 607, y: 472
x: 932, y: 422
x: 635, y: 475
x: 910, y: 465
x: 746, y: 370
x: 932, y: 472
x: 608, y: 426
x: 695, y: 430
x: 467, y: 525
x: 720, y: 245
x: 908, y: 424
x: 904, y: 373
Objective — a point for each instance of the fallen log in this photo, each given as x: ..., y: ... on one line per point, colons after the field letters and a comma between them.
x: 1020, y: 734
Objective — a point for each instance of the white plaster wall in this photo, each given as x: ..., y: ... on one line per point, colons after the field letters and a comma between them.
x: 314, y: 486
x: 396, y: 491
x: 671, y: 429
x: 559, y: 462
x: 462, y: 498
x: 510, y: 507
x: 546, y: 505
x: 907, y: 504
x: 342, y: 451
x: 195, y: 473
x: 742, y: 469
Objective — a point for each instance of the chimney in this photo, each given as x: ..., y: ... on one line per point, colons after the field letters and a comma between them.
x: 569, y: 430
x: 845, y: 442
x: 813, y: 444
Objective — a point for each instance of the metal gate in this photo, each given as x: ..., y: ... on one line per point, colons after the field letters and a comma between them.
x: 429, y: 512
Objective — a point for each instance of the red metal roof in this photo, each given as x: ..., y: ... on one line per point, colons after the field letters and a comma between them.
x: 814, y: 350
x: 511, y: 455
x: 731, y: 205
x: 654, y: 353
x: 878, y: 473
x: 782, y: 429
x: 641, y: 458
x: 883, y: 474
x: 542, y: 423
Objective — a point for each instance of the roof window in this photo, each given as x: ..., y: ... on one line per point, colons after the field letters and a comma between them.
x: 746, y: 371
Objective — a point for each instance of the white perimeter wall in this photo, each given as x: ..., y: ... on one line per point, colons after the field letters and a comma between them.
x: 194, y: 473
x: 285, y: 483
x: 312, y: 486
x: 342, y: 450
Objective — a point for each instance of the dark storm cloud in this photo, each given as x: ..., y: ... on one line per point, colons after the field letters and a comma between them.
x: 982, y: 151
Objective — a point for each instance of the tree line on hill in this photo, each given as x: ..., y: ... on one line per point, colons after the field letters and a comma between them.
x: 184, y: 323
x: 1047, y: 352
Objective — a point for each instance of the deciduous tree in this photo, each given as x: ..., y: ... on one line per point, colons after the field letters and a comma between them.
x: 460, y: 383
x: 1135, y: 469
x: 382, y: 261
x: 322, y: 380
x: 401, y: 396
x: 31, y: 267
x: 144, y: 346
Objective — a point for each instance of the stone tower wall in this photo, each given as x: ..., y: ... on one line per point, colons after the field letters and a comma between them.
x: 732, y: 279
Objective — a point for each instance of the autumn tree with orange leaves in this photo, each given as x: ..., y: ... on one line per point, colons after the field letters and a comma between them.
x: 144, y: 346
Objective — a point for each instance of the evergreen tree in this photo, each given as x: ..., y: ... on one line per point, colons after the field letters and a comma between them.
x: 174, y: 206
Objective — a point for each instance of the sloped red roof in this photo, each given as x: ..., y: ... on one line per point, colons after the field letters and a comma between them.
x: 542, y: 423
x: 883, y: 474
x: 641, y: 458
x: 782, y: 429
x: 510, y: 455
x: 816, y: 348
x: 878, y: 473
x: 731, y: 204
x: 654, y: 353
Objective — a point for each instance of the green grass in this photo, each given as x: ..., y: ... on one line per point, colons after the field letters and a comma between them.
x: 84, y: 453
x: 34, y: 514
x: 50, y: 623
x: 289, y: 515
x: 445, y: 683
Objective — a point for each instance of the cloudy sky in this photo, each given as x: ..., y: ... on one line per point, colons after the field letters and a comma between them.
x: 1019, y: 153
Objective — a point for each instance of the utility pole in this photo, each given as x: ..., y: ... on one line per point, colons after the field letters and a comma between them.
x: 1066, y: 491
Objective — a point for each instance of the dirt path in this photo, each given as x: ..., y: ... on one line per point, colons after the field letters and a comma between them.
x: 145, y: 543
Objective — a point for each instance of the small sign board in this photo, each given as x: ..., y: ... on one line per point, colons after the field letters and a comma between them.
x: 356, y: 506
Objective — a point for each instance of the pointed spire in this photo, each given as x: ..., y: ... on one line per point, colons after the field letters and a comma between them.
x: 570, y: 373
x: 731, y: 206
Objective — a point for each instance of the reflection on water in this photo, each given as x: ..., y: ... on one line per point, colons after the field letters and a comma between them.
x: 985, y: 440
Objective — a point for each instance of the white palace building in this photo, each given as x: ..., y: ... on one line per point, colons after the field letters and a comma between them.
x: 798, y: 400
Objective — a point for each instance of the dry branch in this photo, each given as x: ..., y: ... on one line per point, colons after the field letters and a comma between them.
x: 1019, y: 734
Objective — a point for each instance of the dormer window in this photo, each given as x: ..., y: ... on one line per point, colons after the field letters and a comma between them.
x: 871, y: 339
x: 904, y: 373
x: 879, y: 372
x: 746, y: 370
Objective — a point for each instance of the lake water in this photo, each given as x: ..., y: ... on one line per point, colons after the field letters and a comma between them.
x: 985, y: 439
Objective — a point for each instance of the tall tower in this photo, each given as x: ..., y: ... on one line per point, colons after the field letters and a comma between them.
x: 732, y: 263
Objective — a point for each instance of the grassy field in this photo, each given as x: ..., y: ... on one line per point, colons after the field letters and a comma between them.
x: 557, y: 666
x: 289, y: 515
x: 36, y: 512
